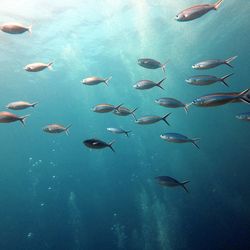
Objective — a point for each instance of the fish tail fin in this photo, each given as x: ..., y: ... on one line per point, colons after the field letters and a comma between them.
x: 50, y: 65
x: 217, y: 4
x: 229, y: 60
x: 110, y: 145
x: 160, y: 82
x: 23, y: 118
x: 67, y: 129
x: 194, y: 141
x: 163, y: 67
x: 186, y: 108
x: 245, y: 96
x: 224, y: 78
x: 183, y: 185
x: 107, y: 80
x: 117, y: 107
x: 127, y: 133
x: 30, y: 29
x: 164, y: 118
x: 34, y: 104
x: 133, y: 113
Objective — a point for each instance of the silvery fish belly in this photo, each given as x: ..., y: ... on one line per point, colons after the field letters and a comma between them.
x: 169, y: 102
x: 148, y: 120
x: 202, y: 80
x: 209, y: 64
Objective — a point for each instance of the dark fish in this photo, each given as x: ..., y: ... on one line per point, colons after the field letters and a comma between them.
x: 209, y: 64
x: 196, y: 11
x: 207, y: 80
x: 179, y: 138
x: 147, y: 84
x: 7, y: 117
x: 151, y: 64
x: 168, y: 181
x: 170, y: 103
x: 98, y: 144
x: 152, y: 119
x: 244, y: 116
x: 218, y: 99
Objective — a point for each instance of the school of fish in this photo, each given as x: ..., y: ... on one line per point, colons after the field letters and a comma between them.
x: 208, y: 100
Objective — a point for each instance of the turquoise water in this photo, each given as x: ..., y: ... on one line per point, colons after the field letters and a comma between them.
x: 58, y: 194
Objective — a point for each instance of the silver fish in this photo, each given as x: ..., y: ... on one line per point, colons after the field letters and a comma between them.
x: 209, y: 64
x: 196, y: 11
x: 105, y: 108
x: 119, y: 131
x: 152, y: 119
x: 98, y: 144
x: 179, y: 138
x: 244, y: 116
x: 147, y: 84
x: 15, y: 28
x: 203, y: 80
x: 171, y: 103
x: 123, y: 111
x: 35, y: 67
x: 6, y: 117
x: 56, y: 129
x: 96, y: 80
x: 20, y: 105
x: 151, y: 64
x: 217, y: 99
x: 171, y: 182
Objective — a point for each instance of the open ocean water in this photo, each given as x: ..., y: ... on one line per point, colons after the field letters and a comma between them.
x: 57, y: 194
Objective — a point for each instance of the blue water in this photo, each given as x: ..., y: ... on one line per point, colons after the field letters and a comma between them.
x: 58, y: 194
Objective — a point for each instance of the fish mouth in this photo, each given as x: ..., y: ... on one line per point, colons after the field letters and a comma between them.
x: 162, y: 136
x: 188, y: 81
x: 194, y: 66
x: 135, y: 86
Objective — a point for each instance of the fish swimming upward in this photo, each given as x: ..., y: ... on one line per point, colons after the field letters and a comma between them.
x: 15, y: 28
x: 196, y: 11
x: 209, y: 64
x: 168, y: 181
x: 218, y: 99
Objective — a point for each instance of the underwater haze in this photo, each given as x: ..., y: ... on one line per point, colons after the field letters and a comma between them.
x: 58, y: 194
